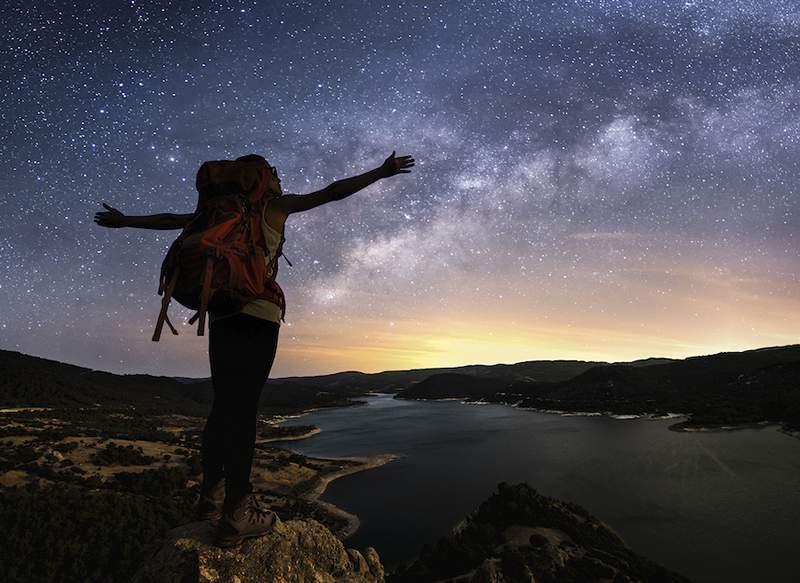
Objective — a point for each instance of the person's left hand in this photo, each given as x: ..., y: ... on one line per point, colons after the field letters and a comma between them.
x: 110, y: 217
x: 392, y: 165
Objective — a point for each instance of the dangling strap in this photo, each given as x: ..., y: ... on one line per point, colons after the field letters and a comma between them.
x: 280, y: 250
x: 171, y: 327
x: 204, y: 295
x: 162, y: 316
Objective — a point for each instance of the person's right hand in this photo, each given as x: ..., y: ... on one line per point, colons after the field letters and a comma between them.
x: 392, y: 165
x: 110, y: 218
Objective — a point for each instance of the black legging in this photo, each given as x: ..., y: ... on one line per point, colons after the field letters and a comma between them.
x: 241, y: 350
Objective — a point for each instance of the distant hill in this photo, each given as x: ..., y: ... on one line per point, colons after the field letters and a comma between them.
x: 30, y: 381
x: 729, y: 388
x: 724, y: 388
x: 392, y: 381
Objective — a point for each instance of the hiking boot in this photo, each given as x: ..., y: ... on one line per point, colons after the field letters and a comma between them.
x: 245, y: 518
x: 210, y: 500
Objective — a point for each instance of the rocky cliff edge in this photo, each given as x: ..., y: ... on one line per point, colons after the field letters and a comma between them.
x: 295, y: 551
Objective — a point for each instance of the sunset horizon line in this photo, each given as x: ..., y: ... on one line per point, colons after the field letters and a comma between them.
x: 624, y: 360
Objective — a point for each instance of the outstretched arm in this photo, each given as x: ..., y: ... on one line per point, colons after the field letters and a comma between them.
x: 114, y: 219
x: 295, y: 203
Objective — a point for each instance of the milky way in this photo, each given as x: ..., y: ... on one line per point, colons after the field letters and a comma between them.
x: 605, y: 180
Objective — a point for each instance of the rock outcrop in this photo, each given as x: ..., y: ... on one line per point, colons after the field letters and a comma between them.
x: 520, y: 536
x: 297, y: 551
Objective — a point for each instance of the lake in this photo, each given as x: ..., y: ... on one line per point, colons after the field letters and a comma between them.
x: 722, y: 506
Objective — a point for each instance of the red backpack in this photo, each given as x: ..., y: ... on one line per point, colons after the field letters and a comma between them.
x: 218, y: 261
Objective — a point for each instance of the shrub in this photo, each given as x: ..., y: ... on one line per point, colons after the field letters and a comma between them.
x: 63, y: 532
x: 117, y: 455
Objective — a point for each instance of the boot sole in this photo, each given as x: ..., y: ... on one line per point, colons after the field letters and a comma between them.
x: 225, y: 540
x: 208, y: 516
x: 228, y: 541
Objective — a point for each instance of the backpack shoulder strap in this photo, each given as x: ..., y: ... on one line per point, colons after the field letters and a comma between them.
x: 268, y: 200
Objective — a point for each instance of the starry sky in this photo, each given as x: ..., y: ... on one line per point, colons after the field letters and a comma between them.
x: 594, y: 179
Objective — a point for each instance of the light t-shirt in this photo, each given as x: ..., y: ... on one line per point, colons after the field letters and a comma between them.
x: 260, y: 308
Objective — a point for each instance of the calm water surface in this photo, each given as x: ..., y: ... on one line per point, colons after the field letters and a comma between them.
x: 712, y: 506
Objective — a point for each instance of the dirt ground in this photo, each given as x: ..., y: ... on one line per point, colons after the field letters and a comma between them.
x: 276, y: 471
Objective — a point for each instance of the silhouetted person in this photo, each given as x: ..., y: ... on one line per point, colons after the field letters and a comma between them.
x: 242, y: 348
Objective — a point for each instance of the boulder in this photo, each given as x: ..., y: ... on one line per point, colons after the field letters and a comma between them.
x: 295, y: 551
x: 521, y: 536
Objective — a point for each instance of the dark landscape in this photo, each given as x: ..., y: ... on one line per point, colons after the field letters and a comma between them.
x: 721, y: 390
x: 116, y: 458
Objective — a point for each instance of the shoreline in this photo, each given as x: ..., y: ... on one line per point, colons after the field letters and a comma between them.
x: 610, y: 414
x: 795, y: 433
x: 679, y: 427
x: 321, y: 484
x: 307, y: 434
x: 314, y: 493
x: 560, y: 412
x: 278, y: 418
